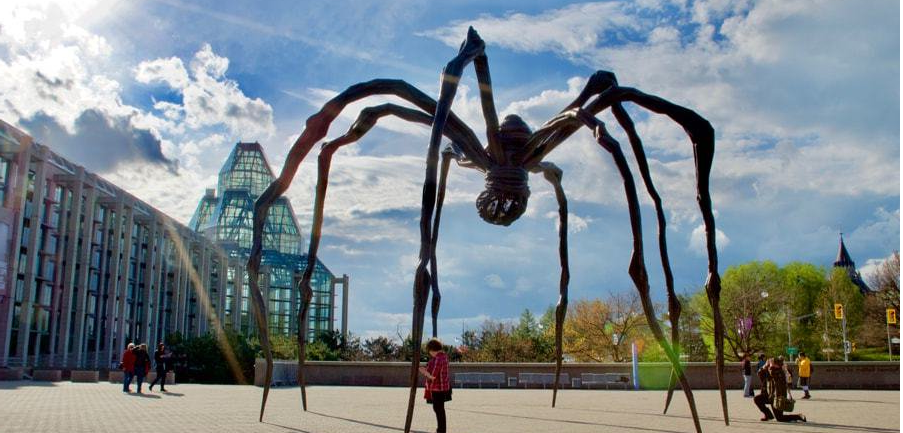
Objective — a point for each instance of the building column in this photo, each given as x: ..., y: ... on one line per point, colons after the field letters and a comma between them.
x: 26, y: 313
x: 84, y: 278
x: 114, y: 265
x: 223, y: 273
x: 62, y: 293
x: 68, y: 279
x: 122, y: 281
x: 205, y: 267
x: 238, y: 291
x: 16, y: 200
x: 150, y: 262
x: 159, y: 284
x: 179, y: 291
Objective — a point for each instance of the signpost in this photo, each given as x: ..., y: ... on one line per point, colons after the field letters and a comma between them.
x: 793, y: 351
x: 847, y: 347
x: 891, y: 319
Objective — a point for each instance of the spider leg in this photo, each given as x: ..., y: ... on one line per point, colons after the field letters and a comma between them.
x: 553, y: 174
x: 637, y: 267
x: 674, y: 308
x: 366, y: 120
x: 703, y: 137
x: 316, y: 128
x: 597, y: 83
x: 451, y: 75
x: 481, y: 65
x: 447, y: 156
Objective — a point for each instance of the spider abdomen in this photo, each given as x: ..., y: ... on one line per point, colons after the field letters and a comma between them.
x: 505, y: 198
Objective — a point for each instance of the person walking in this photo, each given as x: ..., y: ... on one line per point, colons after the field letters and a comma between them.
x: 438, y: 388
x: 127, y: 365
x: 805, y: 372
x: 142, y: 364
x: 747, y: 376
x: 160, y: 361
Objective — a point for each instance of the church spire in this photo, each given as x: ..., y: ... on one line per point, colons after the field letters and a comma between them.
x: 846, y: 262
x: 843, y: 257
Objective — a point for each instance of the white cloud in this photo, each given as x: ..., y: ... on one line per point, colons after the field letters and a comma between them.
x: 170, y: 71
x: 576, y: 224
x: 572, y: 29
x: 208, y: 97
x: 697, y: 242
x: 752, y: 70
x: 494, y: 281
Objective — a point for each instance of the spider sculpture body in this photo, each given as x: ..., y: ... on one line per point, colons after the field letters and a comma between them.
x: 511, y: 152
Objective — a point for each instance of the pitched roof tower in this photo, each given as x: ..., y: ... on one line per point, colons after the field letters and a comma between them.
x: 846, y: 262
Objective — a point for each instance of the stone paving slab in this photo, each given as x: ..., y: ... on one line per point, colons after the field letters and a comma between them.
x: 102, y: 407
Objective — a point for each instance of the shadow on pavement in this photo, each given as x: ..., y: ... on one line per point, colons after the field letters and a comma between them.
x: 568, y: 421
x: 286, y: 427
x: 13, y: 384
x: 855, y: 428
x: 388, y: 427
x: 143, y: 395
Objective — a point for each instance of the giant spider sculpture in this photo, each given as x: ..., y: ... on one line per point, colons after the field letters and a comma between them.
x: 511, y: 152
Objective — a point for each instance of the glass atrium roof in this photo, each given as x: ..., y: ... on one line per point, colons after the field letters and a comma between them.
x: 226, y: 214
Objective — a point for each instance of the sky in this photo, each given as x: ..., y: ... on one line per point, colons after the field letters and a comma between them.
x: 804, y: 97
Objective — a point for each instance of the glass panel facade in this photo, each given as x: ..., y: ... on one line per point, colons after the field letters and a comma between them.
x: 225, y: 216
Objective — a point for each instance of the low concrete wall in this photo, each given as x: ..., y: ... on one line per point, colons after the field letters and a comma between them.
x: 48, y: 375
x: 14, y: 373
x: 840, y: 375
x: 84, y: 376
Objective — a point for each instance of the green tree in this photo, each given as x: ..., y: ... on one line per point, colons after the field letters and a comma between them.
x: 381, y: 348
x: 692, y: 343
x: 597, y: 330
x: 840, y: 290
x: 803, y: 285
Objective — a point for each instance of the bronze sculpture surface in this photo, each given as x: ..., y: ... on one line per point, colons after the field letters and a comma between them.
x: 511, y: 152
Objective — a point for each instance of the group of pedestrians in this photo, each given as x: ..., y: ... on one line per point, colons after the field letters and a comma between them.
x: 775, y: 400
x: 136, y: 364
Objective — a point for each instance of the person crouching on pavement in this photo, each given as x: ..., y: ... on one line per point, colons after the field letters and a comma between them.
x: 775, y: 392
x: 438, y: 387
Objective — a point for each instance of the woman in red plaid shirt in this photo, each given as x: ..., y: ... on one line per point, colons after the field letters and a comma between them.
x: 438, y: 389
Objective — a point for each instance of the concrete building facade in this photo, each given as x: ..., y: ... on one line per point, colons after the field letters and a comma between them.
x: 86, y: 267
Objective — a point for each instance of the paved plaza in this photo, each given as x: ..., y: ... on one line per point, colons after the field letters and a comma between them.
x: 78, y: 407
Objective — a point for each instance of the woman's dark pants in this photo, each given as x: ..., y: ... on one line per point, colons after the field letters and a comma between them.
x: 439, y: 408
x: 161, y: 377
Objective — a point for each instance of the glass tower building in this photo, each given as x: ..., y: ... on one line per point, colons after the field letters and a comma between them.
x: 225, y: 214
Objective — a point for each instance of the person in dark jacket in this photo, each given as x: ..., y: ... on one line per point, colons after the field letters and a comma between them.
x: 160, y: 362
x: 142, y: 364
x: 747, y: 376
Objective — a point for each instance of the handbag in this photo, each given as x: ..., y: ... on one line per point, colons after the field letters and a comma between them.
x: 784, y: 404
